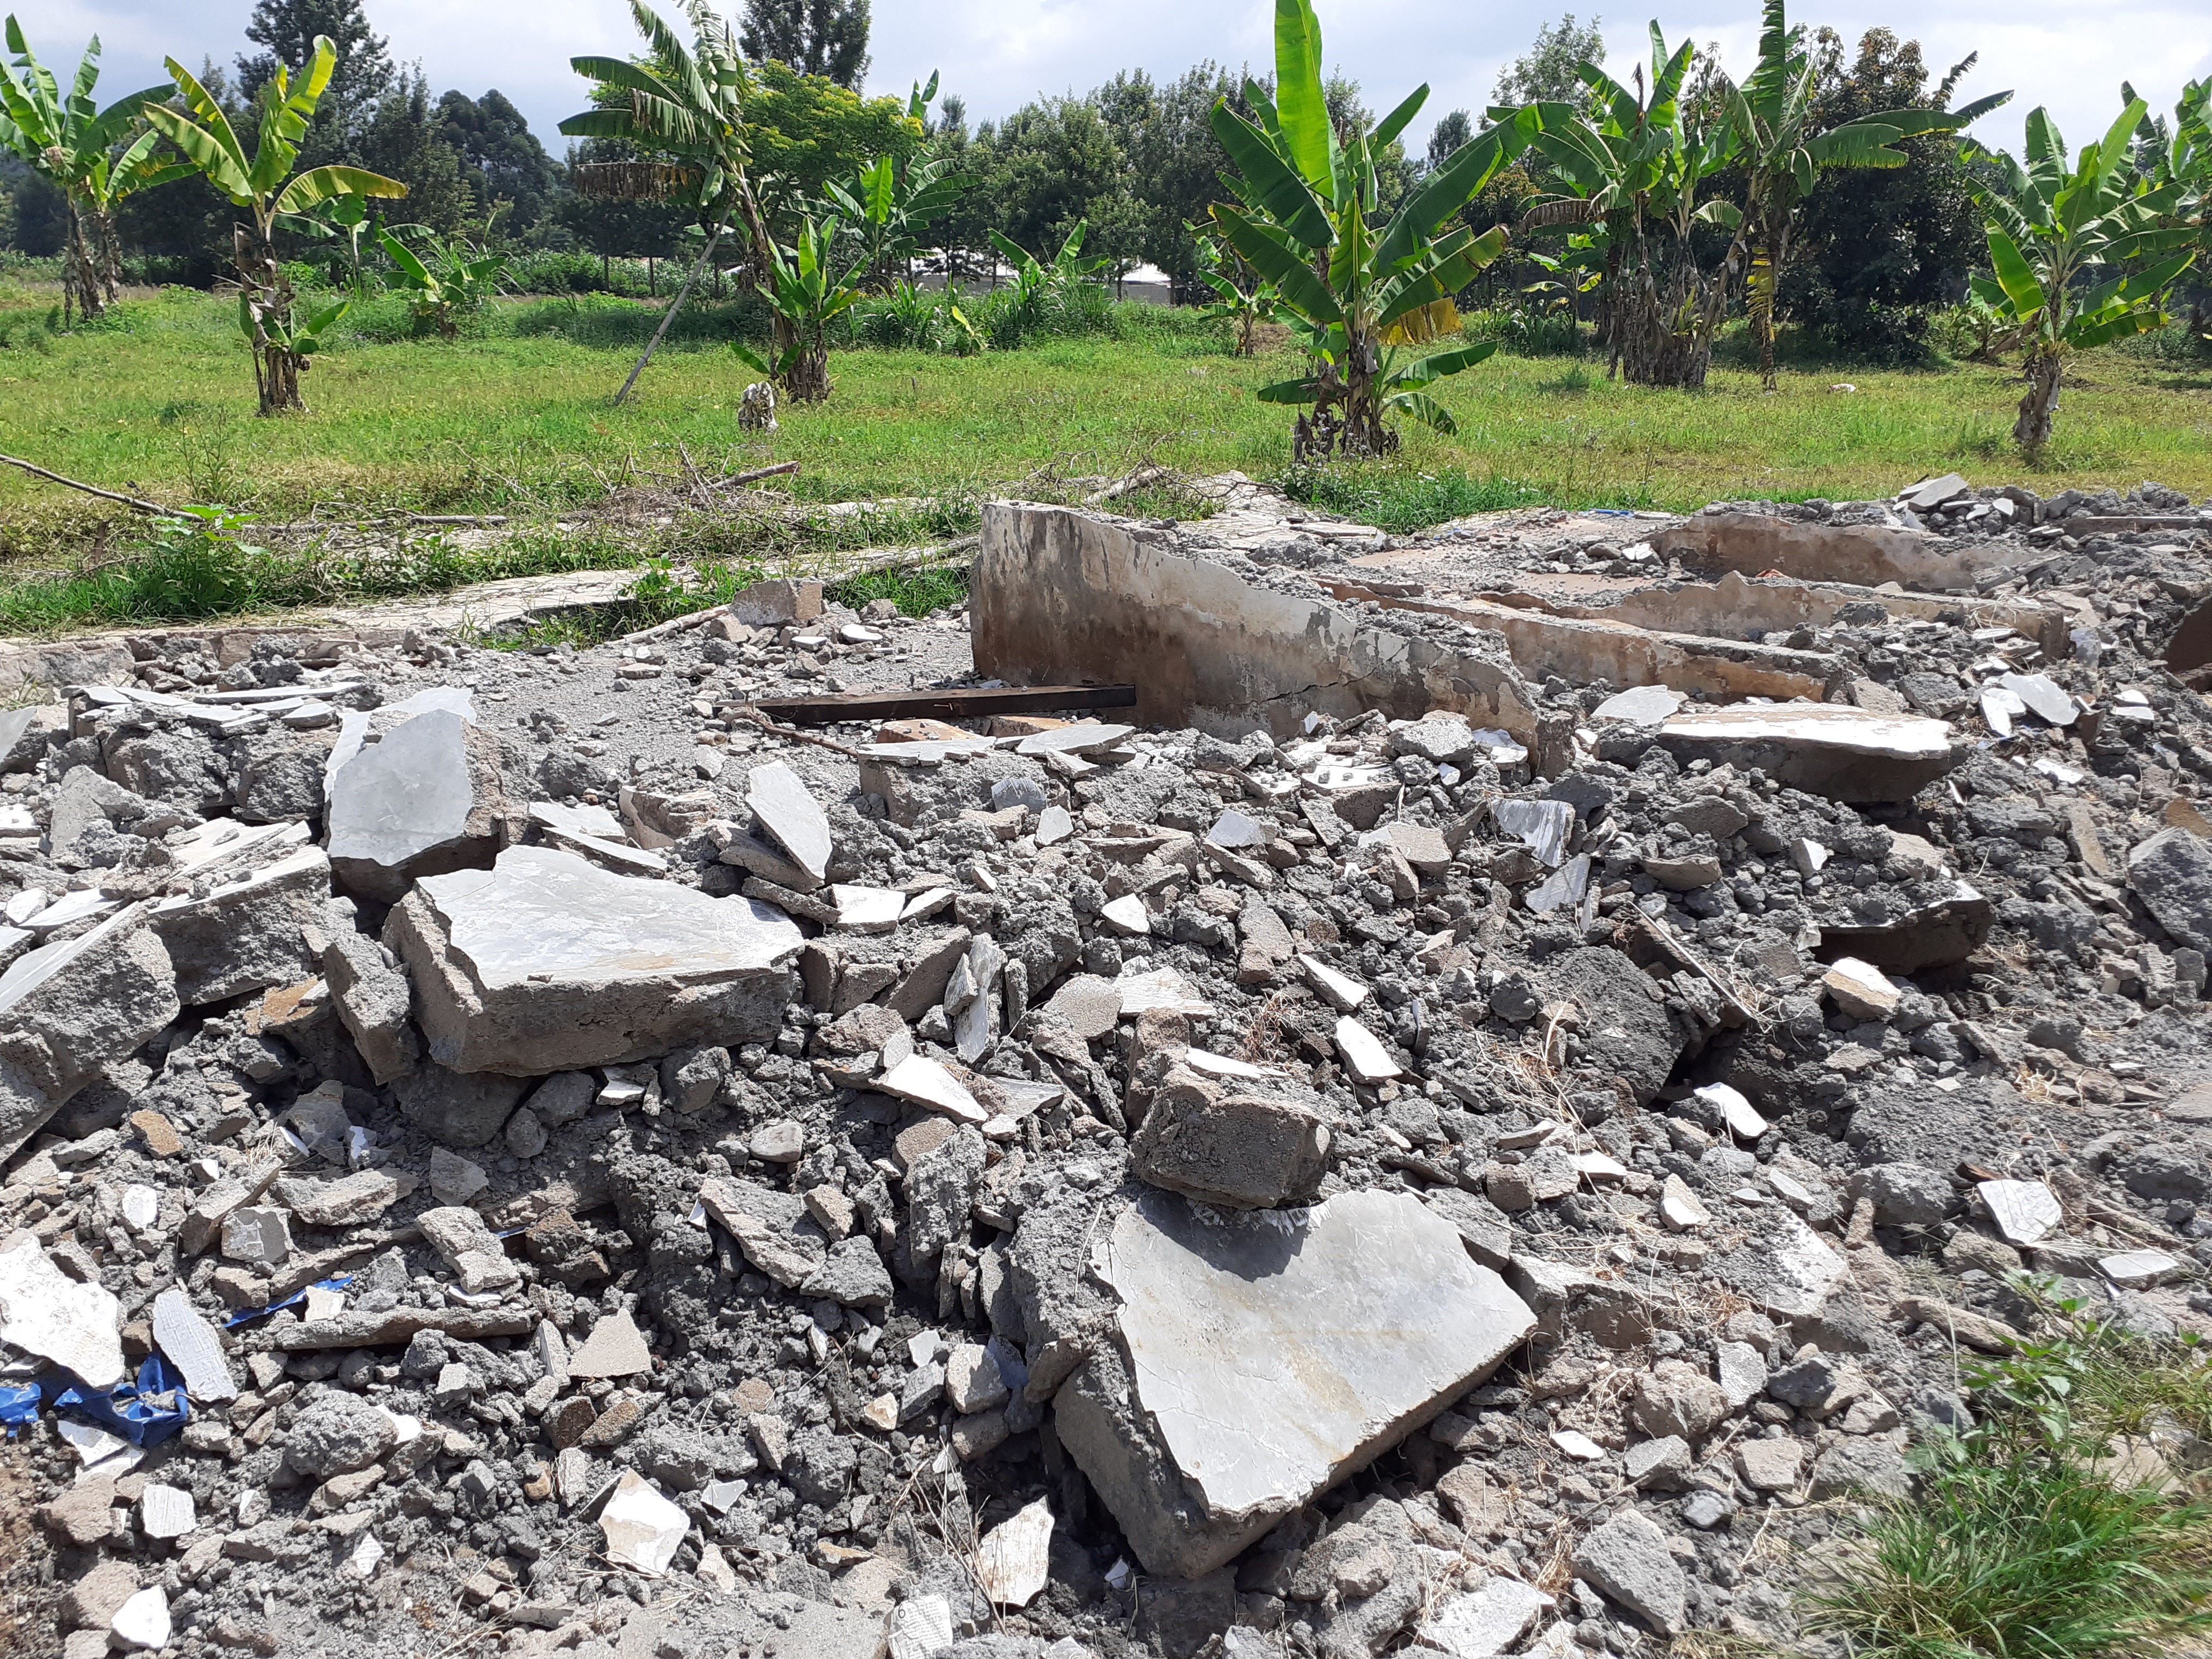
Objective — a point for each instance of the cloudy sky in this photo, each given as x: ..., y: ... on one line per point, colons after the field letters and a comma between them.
x: 999, y: 53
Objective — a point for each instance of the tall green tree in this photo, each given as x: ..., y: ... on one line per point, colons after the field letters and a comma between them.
x: 265, y: 185
x: 95, y: 157
x: 1877, y: 249
x: 1550, y: 71
x: 505, y: 163
x: 2082, y: 252
x: 286, y: 31
x: 404, y: 138
x: 829, y: 38
x: 1360, y: 287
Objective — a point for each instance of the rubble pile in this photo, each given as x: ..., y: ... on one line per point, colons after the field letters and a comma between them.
x: 518, y: 1151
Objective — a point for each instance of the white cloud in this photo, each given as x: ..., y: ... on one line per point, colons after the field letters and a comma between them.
x: 998, y: 54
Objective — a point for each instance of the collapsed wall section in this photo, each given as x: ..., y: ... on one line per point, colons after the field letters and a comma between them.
x: 1065, y: 595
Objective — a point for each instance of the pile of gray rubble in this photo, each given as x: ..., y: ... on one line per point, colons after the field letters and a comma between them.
x: 1478, y: 1122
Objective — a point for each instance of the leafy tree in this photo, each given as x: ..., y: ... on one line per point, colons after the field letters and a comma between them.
x: 1451, y: 132
x: 803, y: 130
x: 2083, y: 253
x: 1877, y: 249
x: 1783, y: 149
x: 404, y: 138
x: 1630, y: 168
x: 1357, y: 288
x: 2181, y: 155
x: 827, y: 38
x: 688, y: 106
x: 1174, y: 164
x: 38, y: 212
x: 186, y: 228
x: 265, y: 185
x: 287, y: 31
x: 1041, y: 170
x: 74, y: 145
x: 1550, y: 71
x: 501, y: 157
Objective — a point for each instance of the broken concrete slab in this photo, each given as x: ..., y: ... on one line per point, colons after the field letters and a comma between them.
x: 43, y: 1311
x: 2171, y: 872
x: 787, y: 809
x: 246, y: 932
x: 1834, y: 750
x: 1060, y: 594
x: 1259, y: 1360
x: 546, y: 963
x: 1868, y: 555
x: 424, y: 801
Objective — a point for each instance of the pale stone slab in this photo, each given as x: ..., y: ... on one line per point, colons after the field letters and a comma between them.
x: 787, y: 809
x: 597, y: 822
x: 1268, y: 1356
x: 867, y: 909
x: 1482, y: 1623
x: 2024, y: 1210
x: 192, y: 1346
x: 45, y: 1312
x: 166, y: 1511
x: 1340, y: 991
x: 546, y: 962
x: 422, y: 799
x: 1831, y: 749
x: 1159, y: 988
x: 925, y: 1083
x: 2134, y: 1270
x: 1012, y: 1559
x: 1073, y: 740
x: 1542, y: 826
x: 615, y: 1348
x: 1640, y: 705
x: 1127, y: 916
x: 1788, y: 1272
x: 643, y: 1529
x: 1742, y: 1117
x: 1363, y: 1052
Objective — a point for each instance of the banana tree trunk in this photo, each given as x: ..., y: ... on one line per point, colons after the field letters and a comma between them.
x: 84, y: 296
x: 2038, y: 409
x: 267, y: 322
x: 669, y: 316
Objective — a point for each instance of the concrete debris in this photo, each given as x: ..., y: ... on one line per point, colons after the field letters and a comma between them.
x: 1494, y: 1017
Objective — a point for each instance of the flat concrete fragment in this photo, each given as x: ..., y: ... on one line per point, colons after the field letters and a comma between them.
x: 1012, y: 1560
x: 192, y: 1346
x: 789, y: 812
x: 1844, y: 753
x: 1868, y: 555
x: 2171, y: 872
x: 1363, y: 1054
x: 1789, y: 1272
x: 424, y: 801
x: 1268, y: 1357
x: 1482, y: 1623
x: 1628, y: 1560
x: 925, y: 1083
x: 45, y: 1312
x: 547, y: 963
x: 615, y: 1348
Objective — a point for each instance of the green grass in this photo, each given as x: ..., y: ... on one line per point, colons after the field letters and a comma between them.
x: 916, y: 592
x: 2021, y: 1542
x: 512, y: 421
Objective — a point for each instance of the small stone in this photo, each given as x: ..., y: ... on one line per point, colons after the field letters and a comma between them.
x: 1363, y: 1056
x: 1771, y: 1464
x: 1743, y: 1120
x: 1628, y: 1560
x: 1681, y: 1208
x: 142, y: 1622
x: 1861, y: 990
x: 164, y: 1511
x: 2024, y: 1210
x: 615, y: 1348
x: 972, y: 1382
x: 257, y: 1235
x: 160, y: 1135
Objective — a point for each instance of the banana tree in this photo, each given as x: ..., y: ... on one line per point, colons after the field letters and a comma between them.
x: 807, y: 291
x: 687, y: 104
x: 1782, y: 156
x: 2182, y: 155
x: 1630, y: 166
x: 2082, y: 254
x: 892, y: 200
x: 72, y: 144
x: 1244, y: 311
x: 266, y: 188
x: 1356, y: 287
x: 453, y: 281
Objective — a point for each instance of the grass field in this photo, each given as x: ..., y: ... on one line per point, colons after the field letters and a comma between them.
x: 159, y: 401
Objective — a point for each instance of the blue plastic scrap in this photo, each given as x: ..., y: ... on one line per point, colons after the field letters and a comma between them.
x: 146, y: 1413
x: 244, y: 1316
x: 19, y: 1404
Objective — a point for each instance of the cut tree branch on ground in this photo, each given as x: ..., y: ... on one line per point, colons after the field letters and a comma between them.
x: 737, y: 479
x: 130, y: 502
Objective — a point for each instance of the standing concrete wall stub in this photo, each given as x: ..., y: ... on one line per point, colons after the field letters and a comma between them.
x: 1061, y: 595
x: 1869, y: 555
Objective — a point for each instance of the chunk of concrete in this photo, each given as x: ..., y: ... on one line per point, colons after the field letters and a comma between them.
x: 424, y: 801
x: 2024, y: 1210
x: 1834, y: 750
x: 1861, y: 989
x: 546, y: 962
x: 1245, y: 1151
x: 2172, y: 873
x: 1254, y: 1361
x: 1627, y: 1559
x: 1868, y: 555
x: 247, y: 933
x: 1484, y: 1622
x: 374, y: 1002
x: 787, y: 809
x: 69, y: 1008
x: 456, y: 1108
